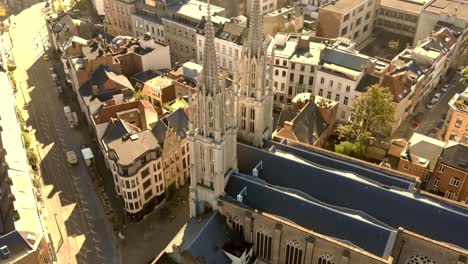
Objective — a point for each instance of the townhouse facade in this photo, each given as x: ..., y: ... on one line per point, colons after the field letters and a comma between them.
x: 118, y: 16
x: 451, y: 172
x: 287, y: 19
x: 456, y: 122
x: 398, y: 17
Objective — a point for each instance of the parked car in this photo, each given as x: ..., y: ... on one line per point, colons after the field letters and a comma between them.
x: 71, y: 157
x: 435, y: 98
x: 54, y: 76
x: 46, y: 57
x: 445, y: 88
x: 430, y: 105
x: 417, y: 120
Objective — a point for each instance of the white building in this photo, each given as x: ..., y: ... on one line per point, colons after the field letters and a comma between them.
x: 229, y: 41
x: 135, y: 162
x: 341, y: 76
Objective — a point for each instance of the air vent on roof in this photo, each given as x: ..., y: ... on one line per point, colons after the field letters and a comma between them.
x: 134, y: 137
x: 240, y: 196
x: 257, y: 169
x: 5, y: 250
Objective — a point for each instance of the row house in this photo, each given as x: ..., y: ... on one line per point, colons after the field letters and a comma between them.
x: 229, y: 40
x: 287, y: 19
x: 342, y: 76
x: 171, y: 130
x: 145, y: 23
x: 180, y: 29
x: 451, y: 172
x: 22, y: 236
x: 435, y: 53
x: 134, y: 158
x: 456, y: 122
x: 118, y: 14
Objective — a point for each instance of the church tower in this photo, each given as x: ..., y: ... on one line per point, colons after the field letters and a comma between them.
x: 212, y: 132
x: 255, y: 95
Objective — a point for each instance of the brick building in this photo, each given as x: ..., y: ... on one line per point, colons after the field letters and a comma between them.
x: 456, y: 123
x: 119, y: 16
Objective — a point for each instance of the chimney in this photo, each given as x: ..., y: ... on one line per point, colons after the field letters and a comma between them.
x: 95, y: 89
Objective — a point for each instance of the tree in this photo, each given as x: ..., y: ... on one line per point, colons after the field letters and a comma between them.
x: 464, y: 76
x: 373, y: 112
x: 137, y: 95
x: 350, y: 149
x: 394, y: 44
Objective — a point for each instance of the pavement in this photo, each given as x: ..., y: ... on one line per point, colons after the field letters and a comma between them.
x: 431, y: 116
x: 74, y: 214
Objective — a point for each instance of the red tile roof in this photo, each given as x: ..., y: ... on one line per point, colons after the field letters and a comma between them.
x: 108, y: 112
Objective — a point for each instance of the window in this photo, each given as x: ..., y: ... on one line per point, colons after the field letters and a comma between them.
x: 358, y: 21
x: 284, y: 63
x: 290, y: 90
x: 343, y: 115
x: 427, y: 177
x: 293, y: 66
x: 406, y: 167
x: 311, y: 82
x: 459, y: 122
x: 302, y: 67
x: 147, y: 184
x: 331, y: 83
x: 436, y: 182
x: 322, y: 80
x: 291, y: 77
x: 326, y: 258
x: 230, y: 51
x: 356, y: 34
x: 346, y: 17
x: 441, y: 168
x: 344, y: 31
x: 148, y: 194
x: 237, y: 226
x: 337, y: 97
x: 449, y: 195
x: 368, y: 15
x: 320, y: 92
x: 454, y: 182
x: 364, y: 29
x: 301, y: 79
x: 277, y: 62
x: 145, y: 173
x: 420, y: 260
x: 339, y: 86
x: 276, y: 72
x: 293, y: 252
x: 328, y: 95
x: 283, y: 73
x: 348, y: 88
x: 264, y: 242
x: 345, y: 101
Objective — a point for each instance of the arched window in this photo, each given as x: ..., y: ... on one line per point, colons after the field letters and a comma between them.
x: 202, y: 158
x: 420, y: 260
x: 264, y: 242
x: 210, y: 114
x: 243, y: 117
x: 237, y: 225
x: 276, y: 72
x: 294, y: 252
x: 326, y: 258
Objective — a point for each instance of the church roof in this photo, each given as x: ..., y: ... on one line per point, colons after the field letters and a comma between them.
x: 344, y: 185
x: 345, y: 225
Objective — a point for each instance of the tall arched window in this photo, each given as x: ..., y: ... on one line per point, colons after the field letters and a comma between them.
x: 210, y: 114
x: 264, y: 241
x: 252, y: 120
x: 202, y: 158
x: 326, y: 258
x: 294, y: 252
x: 243, y: 116
x: 237, y: 225
x: 420, y: 260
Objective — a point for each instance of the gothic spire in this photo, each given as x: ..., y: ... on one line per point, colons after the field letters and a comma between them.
x: 255, y: 38
x: 210, y: 61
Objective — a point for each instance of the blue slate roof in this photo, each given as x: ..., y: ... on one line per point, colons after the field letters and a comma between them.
x: 205, y: 238
x: 16, y: 244
x: 397, y: 208
x: 384, y: 177
x: 307, y: 212
x: 343, y: 58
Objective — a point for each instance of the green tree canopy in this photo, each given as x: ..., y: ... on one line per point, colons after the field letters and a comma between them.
x: 464, y: 76
x: 373, y: 112
x: 350, y: 149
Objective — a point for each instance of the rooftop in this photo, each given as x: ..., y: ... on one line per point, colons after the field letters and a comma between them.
x: 367, y: 81
x: 460, y: 101
x: 455, y: 155
x: 423, y: 150
x: 404, y: 5
x: 363, y: 190
x: 176, y: 120
x: 451, y: 7
x: 232, y: 32
x: 18, y: 165
x: 129, y: 146
x: 104, y: 114
x: 197, y: 10
x: 342, y: 6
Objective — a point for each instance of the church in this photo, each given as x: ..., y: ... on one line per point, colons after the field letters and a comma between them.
x: 255, y: 200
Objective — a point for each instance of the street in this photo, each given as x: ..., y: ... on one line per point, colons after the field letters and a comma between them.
x: 431, y: 117
x: 74, y: 214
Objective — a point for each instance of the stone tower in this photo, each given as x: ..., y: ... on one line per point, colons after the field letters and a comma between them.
x: 255, y: 95
x: 212, y: 132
